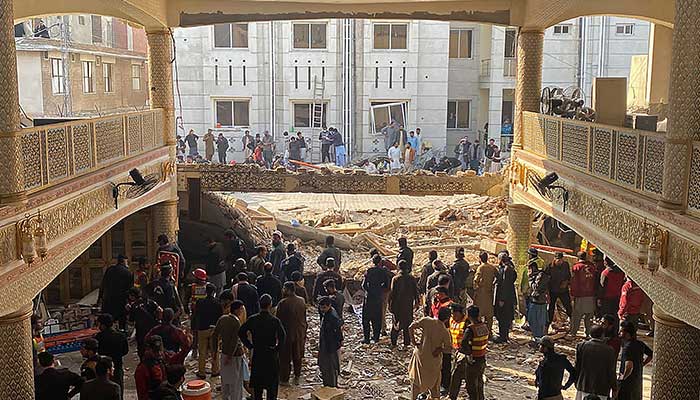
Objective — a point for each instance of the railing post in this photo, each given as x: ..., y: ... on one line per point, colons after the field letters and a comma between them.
x: 12, y: 178
x: 528, y: 86
x: 684, y: 114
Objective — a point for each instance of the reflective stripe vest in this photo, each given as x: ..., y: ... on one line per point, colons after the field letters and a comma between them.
x: 457, y: 332
x: 479, y: 340
x: 199, y: 291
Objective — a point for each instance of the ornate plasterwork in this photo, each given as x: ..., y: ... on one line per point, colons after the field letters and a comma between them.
x: 247, y: 178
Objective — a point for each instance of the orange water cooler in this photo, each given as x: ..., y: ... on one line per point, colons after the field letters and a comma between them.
x: 196, y: 390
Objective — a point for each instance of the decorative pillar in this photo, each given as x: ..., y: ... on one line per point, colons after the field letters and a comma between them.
x: 528, y: 86
x: 160, y: 78
x: 676, y: 356
x: 518, y: 238
x: 684, y: 114
x: 16, y: 362
x: 165, y: 219
x: 12, y: 179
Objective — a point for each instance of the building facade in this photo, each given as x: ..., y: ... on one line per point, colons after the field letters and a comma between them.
x: 86, y: 65
x: 450, y: 79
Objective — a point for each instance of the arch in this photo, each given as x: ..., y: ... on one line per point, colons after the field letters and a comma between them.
x: 115, y: 8
x: 541, y: 14
x: 24, y: 282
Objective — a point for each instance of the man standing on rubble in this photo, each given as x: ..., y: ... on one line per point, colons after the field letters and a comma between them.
x: 439, y: 270
x: 470, y: 360
x: 292, y: 313
x: 329, y: 344
x: 270, y: 285
x: 427, y: 271
x: 505, y: 296
x: 424, y: 369
x: 376, y: 281
x: 278, y: 253
x: 403, y: 301
x: 405, y: 252
x: 114, y: 291
x: 330, y: 252
x: 484, y: 280
x: 583, y: 289
x: 328, y: 273
x: 462, y: 278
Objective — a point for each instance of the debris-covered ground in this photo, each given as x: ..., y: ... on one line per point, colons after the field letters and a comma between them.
x: 377, y: 371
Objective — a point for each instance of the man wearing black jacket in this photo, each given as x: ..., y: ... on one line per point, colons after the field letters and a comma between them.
x: 269, y: 284
x: 330, y: 341
x: 247, y: 293
x: 405, y: 253
x: 114, y: 290
x: 293, y: 262
x: 376, y: 281
x: 114, y: 345
x: 207, y: 311
x: 216, y: 266
x: 550, y: 372
x: 55, y: 383
x: 505, y: 297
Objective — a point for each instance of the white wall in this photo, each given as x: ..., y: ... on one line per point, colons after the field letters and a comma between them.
x: 29, y: 78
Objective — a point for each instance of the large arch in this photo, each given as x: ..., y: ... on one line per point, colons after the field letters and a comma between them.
x: 151, y: 18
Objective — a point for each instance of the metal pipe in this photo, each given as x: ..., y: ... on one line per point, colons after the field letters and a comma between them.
x: 582, y: 52
x: 272, y: 79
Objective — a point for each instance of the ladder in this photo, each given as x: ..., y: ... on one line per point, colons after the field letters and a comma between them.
x: 317, y: 114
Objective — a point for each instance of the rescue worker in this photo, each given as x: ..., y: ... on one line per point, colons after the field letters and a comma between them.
x: 470, y: 360
x: 198, y: 291
x: 456, y: 327
x: 164, y: 292
x: 141, y: 274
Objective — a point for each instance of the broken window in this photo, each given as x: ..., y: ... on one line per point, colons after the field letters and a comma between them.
x: 382, y: 113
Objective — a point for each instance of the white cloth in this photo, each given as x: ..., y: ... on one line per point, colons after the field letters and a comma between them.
x: 394, y: 154
x: 232, y: 377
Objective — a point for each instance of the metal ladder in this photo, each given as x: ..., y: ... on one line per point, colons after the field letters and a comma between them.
x: 317, y: 118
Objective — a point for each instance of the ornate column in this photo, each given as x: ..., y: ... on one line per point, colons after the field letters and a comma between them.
x: 165, y: 219
x: 160, y: 80
x: 518, y: 238
x: 12, y: 179
x: 16, y: 364
x: 528, y: 86
x: 684, y: 114
x: 676, y: 359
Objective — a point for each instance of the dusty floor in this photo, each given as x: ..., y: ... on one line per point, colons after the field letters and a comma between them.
x: 377, y: 371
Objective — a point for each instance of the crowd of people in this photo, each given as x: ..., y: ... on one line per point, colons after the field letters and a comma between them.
x: 246, y: 317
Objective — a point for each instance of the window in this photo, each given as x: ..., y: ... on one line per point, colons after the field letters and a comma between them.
x: 232, y: 112
x: 303, y: 115
x: 458, y: 114
x: 231, y: 36
x: 108, y: 73
x: 57, y: 77
x: 81, y: 19
x: 511, y: 43
x: 383, y: 113
x: 88, y: 73
x: 563, y: 29
x: 310, y: 36
x: 135, y: 77
x: 96, y: 28
x: 460, y: 43
x: 390, y: 36
x: 624, y: 29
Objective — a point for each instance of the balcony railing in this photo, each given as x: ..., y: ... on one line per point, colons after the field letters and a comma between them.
x: 510, y: 67
x: 485, y: 70
x: 54, y: 153
x: 631, y: 158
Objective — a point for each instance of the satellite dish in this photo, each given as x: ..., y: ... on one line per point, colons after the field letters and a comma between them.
x: 140, y: 186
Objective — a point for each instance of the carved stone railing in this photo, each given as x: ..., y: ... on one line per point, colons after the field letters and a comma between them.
x: 251, y: 178
x: 631, y: 158
x: 54, y: 153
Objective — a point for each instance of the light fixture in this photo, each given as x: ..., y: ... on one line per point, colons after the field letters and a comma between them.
x: 643, y: 245
x: 32, y: 238
x: 654, y: 255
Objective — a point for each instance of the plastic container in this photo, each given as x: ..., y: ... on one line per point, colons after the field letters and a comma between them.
x: 196, y: 390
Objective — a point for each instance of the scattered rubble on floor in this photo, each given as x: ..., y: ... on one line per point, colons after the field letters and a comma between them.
x: 458, y: 221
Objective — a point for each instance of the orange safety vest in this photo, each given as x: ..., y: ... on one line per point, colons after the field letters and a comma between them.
x: 199, y: 291
x: 140, y: 276
x: 479, y: 340
x: 457, y: 332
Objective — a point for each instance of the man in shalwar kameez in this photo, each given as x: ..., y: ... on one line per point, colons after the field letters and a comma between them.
x: 426, y: 361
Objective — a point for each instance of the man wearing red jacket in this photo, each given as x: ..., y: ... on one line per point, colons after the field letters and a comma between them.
x: 583, y: 292
x: 150, y: 372
x: 631, y: 301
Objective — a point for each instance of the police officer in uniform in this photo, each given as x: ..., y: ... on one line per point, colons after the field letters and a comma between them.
x: 164, y: 292
x: 470, y: 360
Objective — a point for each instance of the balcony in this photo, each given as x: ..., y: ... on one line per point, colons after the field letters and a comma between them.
x: 629, y: 158
x: 52, y: 154
x: 485, y: 70
x: 510, y: 67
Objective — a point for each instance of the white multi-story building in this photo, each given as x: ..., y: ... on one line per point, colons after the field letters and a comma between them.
x: 448, y: 78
